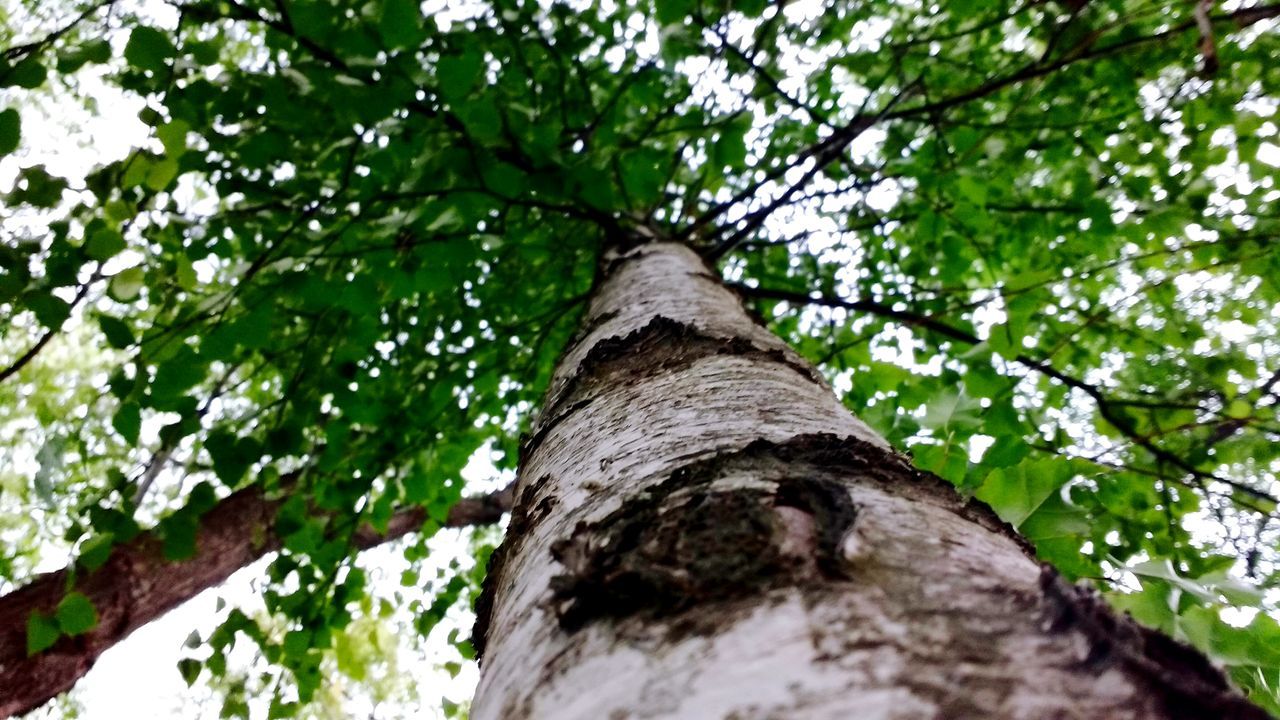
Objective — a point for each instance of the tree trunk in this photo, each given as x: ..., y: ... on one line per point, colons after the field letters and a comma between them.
x: 702, y: 530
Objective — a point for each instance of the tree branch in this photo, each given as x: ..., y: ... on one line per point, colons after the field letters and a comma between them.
x: 137, y: 585
x: 1106, y: 406
x: 35, y: 349
x: 18, y: 51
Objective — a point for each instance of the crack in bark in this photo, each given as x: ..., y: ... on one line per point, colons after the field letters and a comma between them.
x: 1189, y: 685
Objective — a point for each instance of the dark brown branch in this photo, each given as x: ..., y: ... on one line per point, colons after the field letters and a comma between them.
x: 17, y: 51
x: 35, y: 349
x: 27, y: 356
x: 137, y: 585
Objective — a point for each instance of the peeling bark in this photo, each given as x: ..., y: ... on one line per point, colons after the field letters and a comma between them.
x: 137, y: 585
x: 702, y: 530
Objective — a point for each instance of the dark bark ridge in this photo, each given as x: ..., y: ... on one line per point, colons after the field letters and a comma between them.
x: 660, y: 346
x: 604, y: 580
x: 1189, y: 683
x: 682, y: 542
x: 524, y: 513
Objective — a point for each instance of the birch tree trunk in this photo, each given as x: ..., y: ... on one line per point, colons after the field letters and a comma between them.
x: 702, y: 530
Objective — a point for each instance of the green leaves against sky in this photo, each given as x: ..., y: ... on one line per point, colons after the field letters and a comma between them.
x: 1033, y: 243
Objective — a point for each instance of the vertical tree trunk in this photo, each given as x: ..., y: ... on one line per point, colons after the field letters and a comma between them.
x: 703, y: 531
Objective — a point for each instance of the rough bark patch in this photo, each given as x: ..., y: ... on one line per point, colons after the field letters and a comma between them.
x: 524, y: 513
x: 683, y: 543
x: 600, y: 585
x: 661, y: 346
x: 1189, y: 684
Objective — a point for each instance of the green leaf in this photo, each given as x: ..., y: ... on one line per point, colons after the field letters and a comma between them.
x: 10, y: 130
x: 51, y: 459
x: 730, y: 148
x: 42, y: 633
x: 94, y: 51
x: 296, y: 643
x: 126, y: 284
x: 179, y: 531
x: 401, y: 23
x: 50, y: 309
x: 189, y: 668
x: 148, y: 49
x: 952, y: 409
x: 38, y: 188
x: 104, y: 244
x: 458, y: 74
x: 76, y: 614
x: 177, y: 374
x: 203, y: 52
x: 136, y: 170
x: 667, y: 12
x: 973, y: 190
x: 1006, y: 340
x: 949, y: 461
x: 1006, y: 452
x: 173, y: 135
x: 482, y: 118
x: 1239, y: 408
x: 231, y: 455
x: 160, y: 173
x: 117, y: 332
x: 1151, y: 606
x: 28, y: 74
x: 185, y: 273
x: 128, y: 422
x: 281, y: 709
x: 1017, y: 492
x: 95, y: 551
x: 642, y: 176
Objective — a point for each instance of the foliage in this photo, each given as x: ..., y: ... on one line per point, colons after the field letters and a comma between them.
x: 1031, y: 242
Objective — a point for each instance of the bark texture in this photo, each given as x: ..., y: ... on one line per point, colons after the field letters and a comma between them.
x: 701, y: 530
x: 137, y: 585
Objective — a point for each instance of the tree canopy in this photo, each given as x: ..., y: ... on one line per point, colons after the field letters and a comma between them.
x: 1029, y: 242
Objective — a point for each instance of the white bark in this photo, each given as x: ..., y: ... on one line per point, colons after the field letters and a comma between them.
x: 680, y: 421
